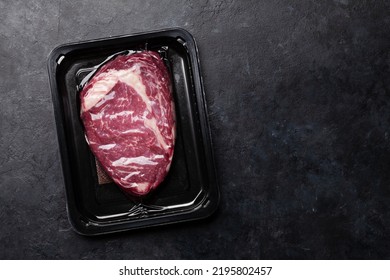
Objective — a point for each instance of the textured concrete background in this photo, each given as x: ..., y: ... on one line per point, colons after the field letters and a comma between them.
x: 299, y: 101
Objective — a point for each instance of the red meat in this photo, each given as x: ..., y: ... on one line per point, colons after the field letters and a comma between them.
x: 128, y: 114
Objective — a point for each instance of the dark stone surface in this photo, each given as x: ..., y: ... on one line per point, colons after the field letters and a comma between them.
x: 299, y: 102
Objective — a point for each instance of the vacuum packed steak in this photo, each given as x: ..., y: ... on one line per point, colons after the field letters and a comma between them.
x: 128, y: 114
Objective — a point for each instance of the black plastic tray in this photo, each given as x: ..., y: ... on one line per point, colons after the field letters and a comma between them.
x: 189, y: 191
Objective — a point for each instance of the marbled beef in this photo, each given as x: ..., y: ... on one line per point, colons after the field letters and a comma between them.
x: 128, y: 114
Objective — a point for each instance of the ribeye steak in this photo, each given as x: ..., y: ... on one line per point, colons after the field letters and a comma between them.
x: 128, y: 114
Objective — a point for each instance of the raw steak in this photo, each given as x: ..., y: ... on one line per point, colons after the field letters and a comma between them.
x: 128, y: 115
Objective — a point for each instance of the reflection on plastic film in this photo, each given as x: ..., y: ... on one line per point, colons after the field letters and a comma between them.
x: 143, y: 210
